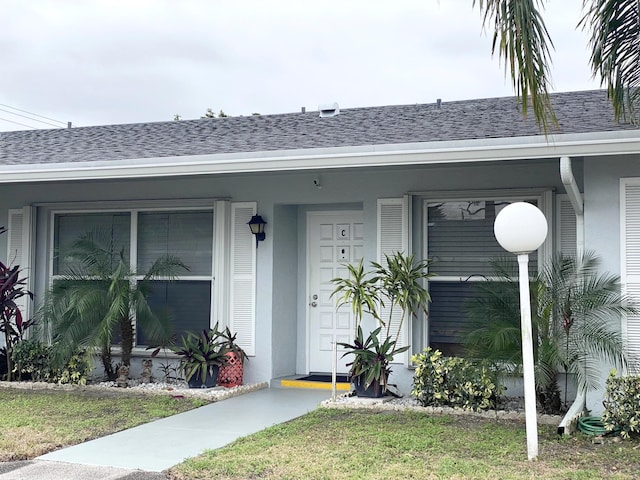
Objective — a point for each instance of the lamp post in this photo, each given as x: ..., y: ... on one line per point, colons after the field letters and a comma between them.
x: 521, y: 228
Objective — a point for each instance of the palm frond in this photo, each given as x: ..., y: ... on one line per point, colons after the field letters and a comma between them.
x: 576, y: 312
x: 615, y: 51
x: 522, y: 41
x: 99, y: 293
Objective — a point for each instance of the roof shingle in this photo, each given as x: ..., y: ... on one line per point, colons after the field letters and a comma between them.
x: 577, y: 112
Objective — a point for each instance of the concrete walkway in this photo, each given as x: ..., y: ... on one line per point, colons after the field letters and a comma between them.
x: 159, y: 445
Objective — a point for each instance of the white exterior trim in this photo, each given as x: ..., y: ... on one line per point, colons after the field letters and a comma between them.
x: 514, y: 148
x: 221, y: 264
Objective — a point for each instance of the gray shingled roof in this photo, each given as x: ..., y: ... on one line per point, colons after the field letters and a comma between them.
x: 577, y: 112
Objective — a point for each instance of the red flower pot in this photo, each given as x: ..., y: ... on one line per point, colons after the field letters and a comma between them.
x: 230, y: 375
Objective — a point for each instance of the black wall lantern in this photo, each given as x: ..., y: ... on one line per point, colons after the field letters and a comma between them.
x: 256, y: 224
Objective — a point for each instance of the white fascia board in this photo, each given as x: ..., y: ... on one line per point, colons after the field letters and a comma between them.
x: 500, y: 149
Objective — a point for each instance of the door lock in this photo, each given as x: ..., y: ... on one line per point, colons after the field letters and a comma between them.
x: 313, y: 301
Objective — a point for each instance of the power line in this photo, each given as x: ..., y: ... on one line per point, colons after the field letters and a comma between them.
x: 29, y: 118
x: 17, y: 123
x: 30, y: 113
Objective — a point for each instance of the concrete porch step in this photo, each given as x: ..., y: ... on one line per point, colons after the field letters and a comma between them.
x: 300, y: 381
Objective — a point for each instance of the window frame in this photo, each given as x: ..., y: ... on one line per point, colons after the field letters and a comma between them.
x: 545, y: 202
x: 133, y: 209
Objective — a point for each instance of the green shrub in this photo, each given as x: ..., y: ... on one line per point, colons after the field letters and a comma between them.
x: 31, y: 360
x: 77, y: 369
x: 622, y: 405
x: 454, y: 382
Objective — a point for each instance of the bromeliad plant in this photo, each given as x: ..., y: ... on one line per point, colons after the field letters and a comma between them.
x: 372, y: 359
x: 395, y: 291
x: 202, y: 355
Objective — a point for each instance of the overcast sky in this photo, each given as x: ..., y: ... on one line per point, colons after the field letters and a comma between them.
x: 95, y: 62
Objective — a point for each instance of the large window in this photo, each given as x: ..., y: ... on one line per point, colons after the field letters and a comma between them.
x: 144, y: 236
x: 461, y: 243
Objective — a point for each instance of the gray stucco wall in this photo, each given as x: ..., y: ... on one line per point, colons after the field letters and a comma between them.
x: 283, y: 199
x: 285, y: 289
x: 602, y: 223
x: 602, y: 205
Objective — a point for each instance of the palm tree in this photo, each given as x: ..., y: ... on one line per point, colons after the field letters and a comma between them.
x: 574, y: 312
x: 523, y: 42
x: 100, y: 296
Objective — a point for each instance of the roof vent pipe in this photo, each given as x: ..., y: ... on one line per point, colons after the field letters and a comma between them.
x: 329, y: 110
x: 438, y: 103
x: 304, y: 109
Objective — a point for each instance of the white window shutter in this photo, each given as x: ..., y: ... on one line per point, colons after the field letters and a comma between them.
x: 220, y: 268
x: 393, y: 237
x: 242, y: 285
x: 566, y: 239
x: 20, y: 251
x: 631, y: 260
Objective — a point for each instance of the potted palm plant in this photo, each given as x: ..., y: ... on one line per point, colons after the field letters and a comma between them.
x: 370, y: 368
x: 202, y: 356
x: 398, y: 285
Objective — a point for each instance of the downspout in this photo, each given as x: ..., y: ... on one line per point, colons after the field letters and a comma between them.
x: 575, y: 197
x: 569, y: 422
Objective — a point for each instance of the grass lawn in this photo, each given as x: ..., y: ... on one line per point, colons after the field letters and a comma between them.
x: 35, y: 422
x: 349, y: 444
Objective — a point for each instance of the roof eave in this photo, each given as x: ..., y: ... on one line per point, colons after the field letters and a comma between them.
x: 500, y: 149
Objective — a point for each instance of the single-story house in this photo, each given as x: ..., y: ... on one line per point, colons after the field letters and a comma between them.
x: 334, y: 185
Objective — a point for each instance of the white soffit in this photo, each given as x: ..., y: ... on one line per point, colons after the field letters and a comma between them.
x: 516, y: 148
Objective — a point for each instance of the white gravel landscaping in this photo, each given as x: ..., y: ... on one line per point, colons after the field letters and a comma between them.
x: 511, y: 408
x: 175, y: 389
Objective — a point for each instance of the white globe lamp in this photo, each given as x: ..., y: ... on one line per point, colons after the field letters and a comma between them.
x: 521, y: 228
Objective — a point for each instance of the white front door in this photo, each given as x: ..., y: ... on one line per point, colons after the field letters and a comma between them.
x: 334, y: 239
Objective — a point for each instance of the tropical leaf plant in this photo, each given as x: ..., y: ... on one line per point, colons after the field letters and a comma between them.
x: 100, y: 296
x: 576, y: 313
x: 401, y: 281
x: 360, y: 290
x: 397, y: 285
x: 371, y: 357
x: 201, y: 352
x: 12, y: 323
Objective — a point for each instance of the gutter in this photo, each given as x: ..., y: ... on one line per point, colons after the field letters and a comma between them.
x: 568, y: 423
